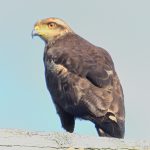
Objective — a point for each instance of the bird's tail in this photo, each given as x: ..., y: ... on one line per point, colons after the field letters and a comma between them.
x: 106, y: 126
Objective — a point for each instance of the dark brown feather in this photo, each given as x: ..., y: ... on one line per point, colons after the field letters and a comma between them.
x: 83, y: 84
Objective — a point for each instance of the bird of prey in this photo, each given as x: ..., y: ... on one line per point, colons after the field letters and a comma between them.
x: 81, y: 79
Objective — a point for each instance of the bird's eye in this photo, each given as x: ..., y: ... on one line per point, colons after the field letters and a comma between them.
x: 51, y: 25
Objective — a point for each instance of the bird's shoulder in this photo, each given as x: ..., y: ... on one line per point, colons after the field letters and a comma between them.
x: 82, y: 58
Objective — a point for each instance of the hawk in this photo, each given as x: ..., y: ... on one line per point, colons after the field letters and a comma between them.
x: 81, y: 79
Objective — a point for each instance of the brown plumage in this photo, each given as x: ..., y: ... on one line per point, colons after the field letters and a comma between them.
x: 81, y: 79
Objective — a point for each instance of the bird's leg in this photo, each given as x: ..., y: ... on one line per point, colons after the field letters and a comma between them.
x: 67, y: 120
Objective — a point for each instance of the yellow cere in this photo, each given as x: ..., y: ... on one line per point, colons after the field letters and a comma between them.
x: 36, y: 28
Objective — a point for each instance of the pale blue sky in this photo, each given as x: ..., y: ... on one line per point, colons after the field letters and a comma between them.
x: 121, y: 27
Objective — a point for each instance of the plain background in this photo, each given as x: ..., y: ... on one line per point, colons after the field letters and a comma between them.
x: 121, y: 27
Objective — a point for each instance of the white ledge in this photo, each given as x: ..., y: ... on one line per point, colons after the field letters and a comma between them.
x: 13, y: 139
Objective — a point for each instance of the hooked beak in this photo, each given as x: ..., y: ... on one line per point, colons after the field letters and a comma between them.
x: 34, y: 33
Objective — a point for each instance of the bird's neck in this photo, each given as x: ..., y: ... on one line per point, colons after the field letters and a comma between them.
x: 52, y: 41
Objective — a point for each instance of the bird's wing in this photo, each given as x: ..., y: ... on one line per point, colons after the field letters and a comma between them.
x: 103, y: 81
x: 100, y: 76
x: 98, y: 73
x: 83, y: 59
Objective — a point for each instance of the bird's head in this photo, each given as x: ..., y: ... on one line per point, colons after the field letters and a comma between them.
x: 51, y: 29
